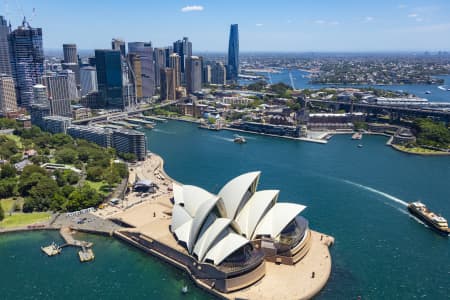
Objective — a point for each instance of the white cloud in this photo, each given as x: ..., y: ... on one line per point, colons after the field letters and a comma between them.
x: 259, y: 24
x: 192, y: 8
x: 320, y: 22
x: 368, y: 19
x: 401, y: 6
x: 419, y: 19
x: 413, y: 15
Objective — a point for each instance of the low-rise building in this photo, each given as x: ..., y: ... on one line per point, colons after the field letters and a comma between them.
x: 56, y: 124
x: 130, y: 141
x: 98, y: 135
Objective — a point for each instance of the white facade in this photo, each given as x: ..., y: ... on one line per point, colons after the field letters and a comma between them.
x: 88, y: 79
x: 215, y: 226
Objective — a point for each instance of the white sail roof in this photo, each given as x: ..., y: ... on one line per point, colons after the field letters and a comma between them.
x: 234, y: 191
x: 193, y: 197
x: 253, y: 211
x: 225, y: 247
x: 277, y: 218
x: 200, y: 216
x: 183, y: 231
x: 179, y: 217
x: 178, y: 193
x: 209, y: 236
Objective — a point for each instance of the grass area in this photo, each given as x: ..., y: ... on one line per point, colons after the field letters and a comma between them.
x: 23, y: 219
x: 7, y: 204
x: 418, y: 150
x: 16, y: 139
x: 101, y: 187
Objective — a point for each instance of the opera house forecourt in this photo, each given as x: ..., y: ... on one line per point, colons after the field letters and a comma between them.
x: 239, y: 244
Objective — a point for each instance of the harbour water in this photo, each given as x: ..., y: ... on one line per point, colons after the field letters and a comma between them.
x: 357, y: 195
x: 301, y: 81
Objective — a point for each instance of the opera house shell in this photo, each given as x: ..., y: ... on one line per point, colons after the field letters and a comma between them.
x: 238, y: 229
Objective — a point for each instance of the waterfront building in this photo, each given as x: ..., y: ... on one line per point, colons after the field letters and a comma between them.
x: 8, y: 100
x: 119, y: 45
x: 145, y: 52
x: 110, y: 79
x: 233, y: 53
x: 168, y: 86
x: 218, y: 73
x: 27, y: 60
x: 92, y: 100
x: 5, y: 65
x: 193, y: 74
x: 88, y: 78
x: 184, y: 49
x: 175, y: 64
x: 98, y: 135
x: 238, y: 228
x: 70, y: 53
x: 40, y: 94
x: 56, y: 124
x: 130, y: 141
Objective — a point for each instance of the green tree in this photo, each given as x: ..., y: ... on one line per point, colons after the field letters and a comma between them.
x: 94, y: 173
x: 8, y: 171
x: 66, y: 156
x: 30, y: 169
x: 2, y: 212
x: 8, y: 187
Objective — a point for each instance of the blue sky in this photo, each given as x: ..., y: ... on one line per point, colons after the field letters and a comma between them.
x: 277, y: 25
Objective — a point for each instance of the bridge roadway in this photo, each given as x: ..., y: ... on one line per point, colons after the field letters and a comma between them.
x: 373, y: 108
x: 122, y: 114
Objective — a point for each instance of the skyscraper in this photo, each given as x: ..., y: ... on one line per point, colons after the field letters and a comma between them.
x: 168, y: 88
x: 193, y: 74
x: 233, y: 53
x: 8, y: 101
x: 40, y: 94
x: 145, y: 52
x: 175, y: 64
x: 27, y: 60
x: 109, y: 78
x: 61, y: 89
x: 218, y: 74
x: 118, y: 44
x: 184, y: 49
x: 5, y: 65
x: 70, y: 53
x: 135, y: 63
x: 88, y: 77
x: 160, y: 63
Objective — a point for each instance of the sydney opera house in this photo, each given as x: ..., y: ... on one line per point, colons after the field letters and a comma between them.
x: 230, y: 236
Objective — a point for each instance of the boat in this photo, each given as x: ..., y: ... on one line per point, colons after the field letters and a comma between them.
x: 360, y: 145
x: 239, y: 139
x: 441, y: 87
x: 437, y: 222
x: 428, y: 92
x: 448, y: 90
x: 357, y: 136
x: 184, y: 289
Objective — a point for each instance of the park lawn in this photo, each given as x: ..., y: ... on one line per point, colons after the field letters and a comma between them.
x: 23, y: 219
x: 7, y: 204
x: 16, y: 139
x: 100, y: 186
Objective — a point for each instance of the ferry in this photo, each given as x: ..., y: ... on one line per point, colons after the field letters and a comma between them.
x: 357, y: 136
x: 441, y: 87
x: 428, y: 92
x: 239, y: 139
x: 437, y: 222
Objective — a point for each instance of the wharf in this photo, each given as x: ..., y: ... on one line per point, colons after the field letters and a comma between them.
x: 70, y: 241
x: 86, y: 254
x: 153, y: 119
x: 51, y: 250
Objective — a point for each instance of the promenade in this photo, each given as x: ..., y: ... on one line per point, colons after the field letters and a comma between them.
x: 151, y: 218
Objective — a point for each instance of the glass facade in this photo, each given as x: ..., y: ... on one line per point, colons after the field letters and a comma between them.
x: 109, y: 78
x: 233, y: 53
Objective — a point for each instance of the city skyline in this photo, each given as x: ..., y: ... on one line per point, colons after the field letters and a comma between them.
x: 348, y: 26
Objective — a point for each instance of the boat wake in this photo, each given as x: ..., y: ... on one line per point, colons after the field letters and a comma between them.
x: 441, y: 87
x: 386, y: 195
x: 222, y: 138
x: 162, y: 131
